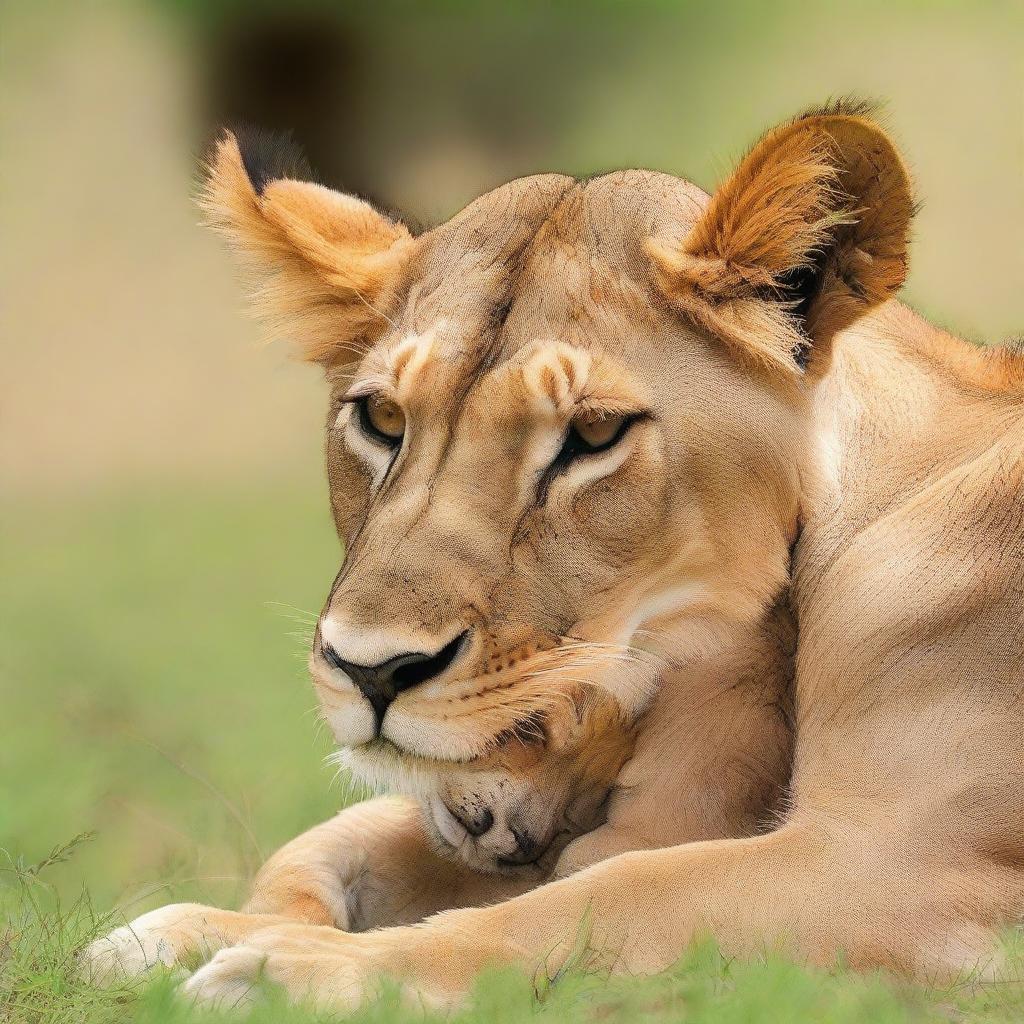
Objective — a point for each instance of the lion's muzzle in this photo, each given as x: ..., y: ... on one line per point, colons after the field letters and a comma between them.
x: 380, y: 683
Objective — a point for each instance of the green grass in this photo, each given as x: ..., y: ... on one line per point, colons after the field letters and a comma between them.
x: 155, y: 706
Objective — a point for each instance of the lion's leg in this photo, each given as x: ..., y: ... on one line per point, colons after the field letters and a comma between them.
x: 634, y: 912
x: 814, y: 893
x: 371, y: 865
x: 180, y: 935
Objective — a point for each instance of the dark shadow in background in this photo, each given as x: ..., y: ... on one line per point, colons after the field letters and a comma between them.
x: 368, y: 88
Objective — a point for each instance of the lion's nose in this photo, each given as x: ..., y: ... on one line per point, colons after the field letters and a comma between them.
x: 381, y: 683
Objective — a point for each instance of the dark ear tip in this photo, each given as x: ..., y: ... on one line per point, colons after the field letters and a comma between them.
x: 845, y: 106
x: 268, y: 156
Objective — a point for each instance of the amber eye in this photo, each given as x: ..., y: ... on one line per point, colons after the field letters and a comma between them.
x: 382, y: 419
x: 588, y: 434
x: 597, y: 431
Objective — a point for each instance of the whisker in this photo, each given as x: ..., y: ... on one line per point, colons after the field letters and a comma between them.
x: 290, y: 611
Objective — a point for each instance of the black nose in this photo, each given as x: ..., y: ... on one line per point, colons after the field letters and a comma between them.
x: 380, y: 684
x: 528, y: 849
x: 475, y: 822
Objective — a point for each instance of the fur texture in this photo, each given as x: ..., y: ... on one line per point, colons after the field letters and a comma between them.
x: 321, y: 263
x: 630, y: 687
x: 820, y: 207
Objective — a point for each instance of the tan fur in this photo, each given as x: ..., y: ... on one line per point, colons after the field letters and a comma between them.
x: 877, y: 494
x: 321, y: 262
x: 827, y: 183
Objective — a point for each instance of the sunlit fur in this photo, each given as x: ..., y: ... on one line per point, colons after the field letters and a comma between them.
x: 559, y: 591
x: 536, y: 302
x: 805, y: 561
x: 319, y: 262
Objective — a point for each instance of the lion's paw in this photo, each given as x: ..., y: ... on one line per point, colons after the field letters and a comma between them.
x: 305, y: 962
x: 152, y: 940
x: 229, y: 980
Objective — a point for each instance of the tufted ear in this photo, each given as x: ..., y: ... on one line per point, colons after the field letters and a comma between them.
x: 808, y: 234
x: 323, y: 265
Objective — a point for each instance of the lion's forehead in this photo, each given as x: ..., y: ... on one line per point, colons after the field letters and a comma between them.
x: 530, y: 307
x: 518, y: 296
x: 544, y: 256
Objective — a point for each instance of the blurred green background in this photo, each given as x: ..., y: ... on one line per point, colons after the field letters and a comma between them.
x: 165, y: 535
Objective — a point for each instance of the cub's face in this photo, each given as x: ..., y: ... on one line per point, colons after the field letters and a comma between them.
x: 550, y: 483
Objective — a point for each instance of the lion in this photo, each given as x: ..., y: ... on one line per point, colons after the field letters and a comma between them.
x: 681, y: 589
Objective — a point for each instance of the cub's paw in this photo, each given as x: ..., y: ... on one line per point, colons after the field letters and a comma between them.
x: 162, y: 938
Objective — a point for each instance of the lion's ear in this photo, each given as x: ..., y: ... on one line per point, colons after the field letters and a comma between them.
x: 808, y: 234
x: 323, y: 265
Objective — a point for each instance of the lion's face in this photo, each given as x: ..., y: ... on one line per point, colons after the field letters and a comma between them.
x: 548, y: 482
x: 545, y: 487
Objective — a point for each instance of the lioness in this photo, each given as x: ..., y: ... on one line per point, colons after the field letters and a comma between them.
x: 588, y: 443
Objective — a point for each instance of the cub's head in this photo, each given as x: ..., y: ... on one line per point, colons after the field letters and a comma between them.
x: 562, y: 443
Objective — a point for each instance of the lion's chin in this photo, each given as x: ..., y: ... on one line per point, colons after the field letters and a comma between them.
x: 432, y: 738
x: 384, y: 767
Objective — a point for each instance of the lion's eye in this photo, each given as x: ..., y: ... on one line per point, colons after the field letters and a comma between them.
x: 593, y: 432
x: 588, y: 434
x: 382, y: 419
x: 597, y: 431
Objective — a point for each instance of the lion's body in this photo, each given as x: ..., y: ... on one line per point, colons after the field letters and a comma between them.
x: 873, y: 501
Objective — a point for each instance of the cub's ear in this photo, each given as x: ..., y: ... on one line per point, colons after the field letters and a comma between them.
x: 808, y: 234
x: 323, y: 265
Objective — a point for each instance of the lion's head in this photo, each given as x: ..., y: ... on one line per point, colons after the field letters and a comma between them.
x: 563, y: 443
